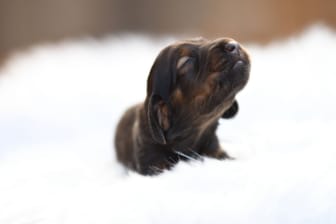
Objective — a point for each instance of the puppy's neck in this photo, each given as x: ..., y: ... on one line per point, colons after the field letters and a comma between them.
x: 184, y: 133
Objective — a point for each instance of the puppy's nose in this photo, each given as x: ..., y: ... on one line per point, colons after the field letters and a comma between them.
x: 232, y: 47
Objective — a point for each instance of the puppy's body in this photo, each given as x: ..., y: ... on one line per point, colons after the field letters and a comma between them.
x: 138, y: 151
x: 191, y: 86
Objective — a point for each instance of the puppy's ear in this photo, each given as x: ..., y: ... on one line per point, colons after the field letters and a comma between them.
x: 160, y: 84
x: 158, y: 115
x: 232, y: 111
x: 162, y: 76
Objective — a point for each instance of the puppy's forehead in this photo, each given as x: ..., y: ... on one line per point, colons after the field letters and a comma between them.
x: 187, y: 47
x: 193, y: 41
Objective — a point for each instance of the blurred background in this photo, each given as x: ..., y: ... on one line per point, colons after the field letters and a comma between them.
x: 27, y: 23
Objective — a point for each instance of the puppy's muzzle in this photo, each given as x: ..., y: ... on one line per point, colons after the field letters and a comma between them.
x: 235, y: 51
x: 239, y: 63
x: 232, y: 47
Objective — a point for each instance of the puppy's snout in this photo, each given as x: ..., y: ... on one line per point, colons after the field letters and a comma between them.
x: 232, y: 47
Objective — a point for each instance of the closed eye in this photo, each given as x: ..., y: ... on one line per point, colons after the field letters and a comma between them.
x: 183, y: 61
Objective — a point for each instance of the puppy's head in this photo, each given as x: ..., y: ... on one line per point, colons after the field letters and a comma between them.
x: 195, y: 81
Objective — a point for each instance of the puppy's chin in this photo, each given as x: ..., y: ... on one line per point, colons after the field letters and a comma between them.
x: 239, y: 74
x: 232, y: 81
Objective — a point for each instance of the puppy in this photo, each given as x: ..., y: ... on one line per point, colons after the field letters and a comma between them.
x: 191, y: 85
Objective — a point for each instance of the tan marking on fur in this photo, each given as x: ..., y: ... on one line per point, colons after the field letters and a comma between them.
x: 177, y: 97
x: 214, y: 116
x: 163, y: 116
x: 184, y: 51
x: 206, y: 89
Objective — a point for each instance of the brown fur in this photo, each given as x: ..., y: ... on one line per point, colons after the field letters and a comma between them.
x: 180, y: 114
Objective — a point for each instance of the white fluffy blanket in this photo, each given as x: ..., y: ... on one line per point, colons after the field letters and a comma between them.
x: 59, y: 105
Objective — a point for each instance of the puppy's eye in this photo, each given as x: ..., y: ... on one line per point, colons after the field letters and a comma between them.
x: 184, y: 61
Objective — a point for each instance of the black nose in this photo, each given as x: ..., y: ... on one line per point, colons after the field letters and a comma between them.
x: 232, y: 47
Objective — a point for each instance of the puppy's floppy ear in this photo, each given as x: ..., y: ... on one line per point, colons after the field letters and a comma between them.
x: 232, y: 111
x: 160, y: 84
x: 158, y: 116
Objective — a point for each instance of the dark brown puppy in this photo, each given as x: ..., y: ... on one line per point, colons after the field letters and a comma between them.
x: 191, y: 85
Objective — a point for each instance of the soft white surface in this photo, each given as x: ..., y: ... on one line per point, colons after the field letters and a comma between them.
x: 59, y: 105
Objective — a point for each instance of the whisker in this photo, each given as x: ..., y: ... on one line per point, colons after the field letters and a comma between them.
x: 185, y: 155
x: 171, y: 161
x: 156, y: 169
x: 197, y: 155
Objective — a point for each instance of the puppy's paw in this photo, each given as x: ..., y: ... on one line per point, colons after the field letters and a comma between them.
x: 155, y: 168
x: 218, y: 154
x: 221, y: 154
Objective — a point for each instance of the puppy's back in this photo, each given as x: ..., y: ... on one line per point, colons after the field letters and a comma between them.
x: 124, y: 137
